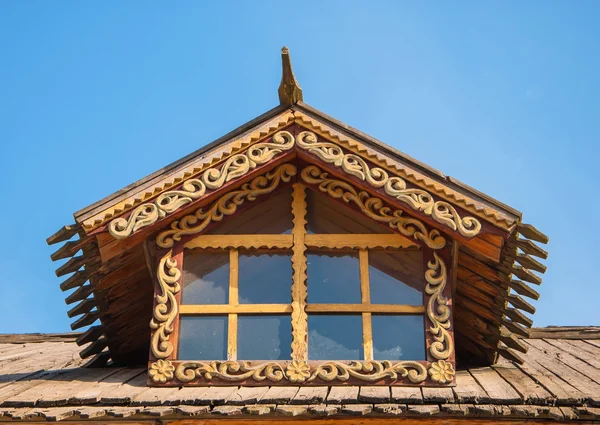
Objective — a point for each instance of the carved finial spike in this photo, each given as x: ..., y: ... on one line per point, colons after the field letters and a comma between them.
x: 289, y: 89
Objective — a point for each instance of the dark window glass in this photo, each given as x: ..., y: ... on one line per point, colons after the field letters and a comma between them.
x: 396, y: 277
x: 265, y: 279
x: 267, y: 215
x: 264, y: 337
x: 398, y: 337
x: 205, y: 278
x: 333, y: 278
x: 326, y: 215
x: 203, y: 338
x: 335, y: 337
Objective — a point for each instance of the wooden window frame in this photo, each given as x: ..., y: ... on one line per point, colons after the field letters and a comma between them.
x: 409, y: 232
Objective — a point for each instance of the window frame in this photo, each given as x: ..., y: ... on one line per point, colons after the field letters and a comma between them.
x: 409, y: 232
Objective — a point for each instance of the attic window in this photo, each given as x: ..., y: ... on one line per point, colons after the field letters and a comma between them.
x: 299, y: 289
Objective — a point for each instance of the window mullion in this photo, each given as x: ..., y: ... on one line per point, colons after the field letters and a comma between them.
x: 233, y: 300
x: 365, y: 293
x: 299, y: 291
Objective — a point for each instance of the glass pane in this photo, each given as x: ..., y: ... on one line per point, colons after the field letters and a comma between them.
x: 398, y: 337
x: 203, y: 338
x: 265, y: 278
x: 205, y: 278
x: 264, y: 337
x: 396, y: 277
x: 335, y: 337
x: 269, y: 215
x: 333, y: 278
x: 326, y: 215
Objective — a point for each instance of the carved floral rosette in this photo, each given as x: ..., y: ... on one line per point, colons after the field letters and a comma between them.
x: 438, y: 370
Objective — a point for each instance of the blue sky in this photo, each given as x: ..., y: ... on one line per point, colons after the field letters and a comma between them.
x: 504, y: 96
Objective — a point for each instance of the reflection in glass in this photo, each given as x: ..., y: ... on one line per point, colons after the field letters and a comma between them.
x: 396, y: 277
x: 325, y: 215
x: 203, y: 338
x: 264, y: 337
x: 333, y: 278
x: 205, y: 278
x: 335, y: 337
x: 265, y: 278
x: 398, y: 337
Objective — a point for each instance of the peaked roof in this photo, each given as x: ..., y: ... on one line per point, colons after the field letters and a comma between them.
x: 492, y: 256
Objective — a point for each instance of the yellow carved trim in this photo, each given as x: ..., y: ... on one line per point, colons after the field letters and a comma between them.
x: 193, y: 189
x: 165, y: 309
x: 226, y: 205
x: 442, y: 372
x: 299, y: 265
x: 299, y: 371
x: 192, y: 170
x: 438, y: 311
x: 373, y: 207
x: 418, y: 199
x: 410, y: 174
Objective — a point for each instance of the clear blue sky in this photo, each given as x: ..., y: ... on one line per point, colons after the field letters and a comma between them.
x: 501, y: 95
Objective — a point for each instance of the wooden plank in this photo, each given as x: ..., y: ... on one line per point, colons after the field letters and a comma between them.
x: 579, y: 349
x: 216, y: 395
x: 299, y: 266
x: 577, y: 370
x: 437, y: 394
x: 153, y: 396
x: 365, y: 308
x: 373, y: 394
x: 566, y: 332
x: 232, y: 318
x: 238, y: 309
x: 467, y: 390
x: 94, y: 392
x: 279, y: 395
x: 247, y: 395
x: 530, y: 390
x: 411, y: 395
x: 343, y: 395
x: 365, y: 291
x: 359, y: 241
x: 240, y: 241
x: 63, y: 234
x: 310, y: 395
x: 499, y: 391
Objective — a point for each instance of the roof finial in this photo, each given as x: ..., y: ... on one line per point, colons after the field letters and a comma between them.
x: 289, y: 90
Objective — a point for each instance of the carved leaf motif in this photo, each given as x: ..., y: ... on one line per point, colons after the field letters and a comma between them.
x: 369, y: 371
x: 418, y: 199
x: 438, y: 310
x: 165, y: 310
x: 213, y: 178
x: 226, y: 205
x: 373, y: 207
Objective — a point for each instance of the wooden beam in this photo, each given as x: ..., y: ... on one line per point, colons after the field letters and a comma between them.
x: 85, y: 320
x: 532, y: 233
x: 531, y: 263
x: 74, y: 264
x: 524, y: 274
x: 79, y: 294
x: 94, y: 348
x: 192, y: 309
x: 528, y: 247
x: 522, y: 288
x: 354, y: 241
x: 77, y: 279
x: 82, y: 308
x: 520, y: 303
x: 232, y: 318
x: 240, y: 241
x: 362, y: 308
x: 67, y: 250
x: 63, y: 234
x: 92, y: 334
x: 365, y: 291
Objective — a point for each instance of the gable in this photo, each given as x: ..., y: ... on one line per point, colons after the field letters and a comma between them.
x: 495, y: 251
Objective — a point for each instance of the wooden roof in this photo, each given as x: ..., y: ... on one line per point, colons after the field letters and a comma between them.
x: 41, y: 378
x: 108, y: 279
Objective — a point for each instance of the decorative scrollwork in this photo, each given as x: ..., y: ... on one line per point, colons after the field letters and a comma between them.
x: 369, y: 371
x: 373, y: 207
x: 418, y: 199
x: 229, y: 370
x: 226, y: 205
x: 438, y: 310
x: 193, y: 189
x: 165, y: 309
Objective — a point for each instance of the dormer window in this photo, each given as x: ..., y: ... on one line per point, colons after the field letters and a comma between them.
x: 301, y: 287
